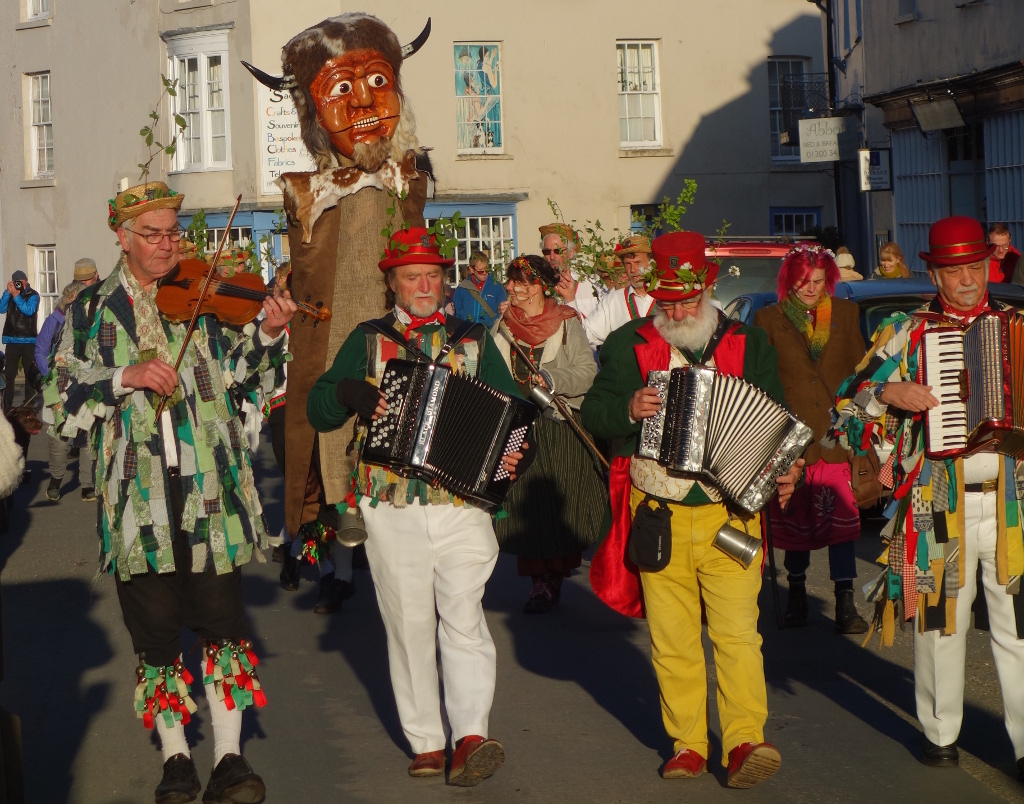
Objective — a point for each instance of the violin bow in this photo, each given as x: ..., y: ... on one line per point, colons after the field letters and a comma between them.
x: 563, y: 408
x: 202, y: 297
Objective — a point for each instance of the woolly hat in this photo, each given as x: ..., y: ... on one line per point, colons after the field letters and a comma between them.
x: 682, y: 269
x: 19, y: 275
x: 958, y: 240
x: 141, y: 198
x: 413, y: 246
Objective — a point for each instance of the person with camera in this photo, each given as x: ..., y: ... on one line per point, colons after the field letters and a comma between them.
x: 19, y: 335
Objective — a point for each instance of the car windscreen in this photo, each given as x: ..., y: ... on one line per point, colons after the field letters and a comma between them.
x: 740, y: 276
x: 874, y: 311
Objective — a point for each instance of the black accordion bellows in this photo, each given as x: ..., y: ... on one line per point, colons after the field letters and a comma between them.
x: 447, y: 428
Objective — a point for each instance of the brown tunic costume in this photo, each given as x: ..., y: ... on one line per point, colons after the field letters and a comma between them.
x: 339, y: 267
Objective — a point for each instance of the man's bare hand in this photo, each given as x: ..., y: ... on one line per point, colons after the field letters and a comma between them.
x: 908, y: 395
x: 502, y: 307
x: 787, y: 482
x: 645, y: 403
x: 11, y: 289
x: 511, y: 461
x: 155, y: 375
x: 279, y: 310
x: 566, y: 286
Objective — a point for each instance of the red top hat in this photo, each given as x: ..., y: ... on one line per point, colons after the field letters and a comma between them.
x: 682, y: 269
x: 413, y: 246
x: 956, y: 241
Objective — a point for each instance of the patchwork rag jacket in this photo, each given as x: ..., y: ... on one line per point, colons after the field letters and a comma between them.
x: 222, y: 517
x: 363, y: 356
x: 923, y: 537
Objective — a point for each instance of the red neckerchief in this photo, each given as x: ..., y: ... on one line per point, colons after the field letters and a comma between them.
x: 967, y: 316
x: 480, y: 284
x: 415, y: 322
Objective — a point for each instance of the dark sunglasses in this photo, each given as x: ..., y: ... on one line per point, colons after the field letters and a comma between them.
x: 547, y: 252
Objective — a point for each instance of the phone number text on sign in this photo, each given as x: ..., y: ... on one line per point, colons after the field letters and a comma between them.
x: 819, y: 139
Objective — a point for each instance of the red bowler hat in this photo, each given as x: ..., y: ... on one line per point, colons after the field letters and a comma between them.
x: 682, y: 270
x: 413, y: 246
x: 956, y: 241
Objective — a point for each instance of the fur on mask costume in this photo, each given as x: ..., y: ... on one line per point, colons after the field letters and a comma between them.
x: 344, y: 76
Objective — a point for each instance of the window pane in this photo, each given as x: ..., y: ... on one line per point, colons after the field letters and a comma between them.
x: 647, y: 105
x: 649, y: 134
x: 214, y: 82
x: 634, y: 131
x: 633, y: 105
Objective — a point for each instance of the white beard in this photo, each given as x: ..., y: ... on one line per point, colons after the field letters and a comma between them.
x: 693, y: 332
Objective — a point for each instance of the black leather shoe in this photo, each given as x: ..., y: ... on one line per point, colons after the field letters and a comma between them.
x: 290, y: 572
x: 332, y: 592
x: 848, y: 621
x: 939, y: 756
x: 796, y: 605
x: 180, y: 782
x: 234, y: 780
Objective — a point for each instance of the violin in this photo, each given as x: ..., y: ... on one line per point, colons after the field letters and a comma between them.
x: 234, y: 299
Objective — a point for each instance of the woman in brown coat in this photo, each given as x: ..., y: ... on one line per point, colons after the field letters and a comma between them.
x: 819, y: 343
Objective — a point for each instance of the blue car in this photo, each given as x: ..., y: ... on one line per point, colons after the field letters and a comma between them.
x: 877, y: 299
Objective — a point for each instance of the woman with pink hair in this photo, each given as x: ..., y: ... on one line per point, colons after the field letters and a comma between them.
x: 819, y: 343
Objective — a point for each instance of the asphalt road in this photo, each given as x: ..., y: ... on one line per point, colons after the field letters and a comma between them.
x: 576, y: 704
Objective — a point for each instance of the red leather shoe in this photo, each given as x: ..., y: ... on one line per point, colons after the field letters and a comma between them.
x: 750, y: 763
x: 428, y: 764
x: 475, y: 759
x: 687, y: 764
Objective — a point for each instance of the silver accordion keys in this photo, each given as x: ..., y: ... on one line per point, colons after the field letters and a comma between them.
x: 447, y: 428
x: 722, y: 430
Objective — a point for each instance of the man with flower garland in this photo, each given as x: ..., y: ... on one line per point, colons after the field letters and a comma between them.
x: 686, y: 329
x: 430, y: 552
x: 179, y: 513
x: 955, y: 522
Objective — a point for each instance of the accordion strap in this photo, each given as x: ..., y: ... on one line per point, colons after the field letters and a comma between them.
x: 383, y: 327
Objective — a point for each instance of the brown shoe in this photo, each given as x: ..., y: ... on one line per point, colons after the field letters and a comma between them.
x: 428, y: 764
x: 475, y: 759
x: 751, y: 763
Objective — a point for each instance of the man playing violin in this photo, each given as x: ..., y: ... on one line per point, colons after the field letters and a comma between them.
x: 179, y: 513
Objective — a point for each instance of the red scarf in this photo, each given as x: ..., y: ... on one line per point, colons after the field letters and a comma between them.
x: 415, y: 322
x: 965, y: 315
x: 534, y: 331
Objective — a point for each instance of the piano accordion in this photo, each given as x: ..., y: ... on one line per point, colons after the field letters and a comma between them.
x: 722, y: 430
x: 976, y: 373
x: 447, y: 428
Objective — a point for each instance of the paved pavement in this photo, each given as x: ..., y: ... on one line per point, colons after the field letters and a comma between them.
x: 576, y: 704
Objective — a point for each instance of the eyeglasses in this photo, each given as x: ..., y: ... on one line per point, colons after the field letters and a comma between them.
x: 155, y: 238
x: 547, y: 252
x: 686, y: 304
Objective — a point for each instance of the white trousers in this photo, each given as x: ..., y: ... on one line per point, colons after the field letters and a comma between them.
x: 429, y: 566
x: 939, y: 660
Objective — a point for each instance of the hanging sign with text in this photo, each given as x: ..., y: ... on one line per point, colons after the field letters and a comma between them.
x: 875, y: 169
x: 819, y: 139
x: 281, y: 148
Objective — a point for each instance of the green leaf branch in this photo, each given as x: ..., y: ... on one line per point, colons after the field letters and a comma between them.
x: 148, y: 133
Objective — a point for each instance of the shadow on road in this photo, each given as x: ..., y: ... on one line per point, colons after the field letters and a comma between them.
x: 584, y: 641
x: 869, y: 683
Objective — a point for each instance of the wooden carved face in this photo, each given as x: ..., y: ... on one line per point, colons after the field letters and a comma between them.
x: 356, y: 99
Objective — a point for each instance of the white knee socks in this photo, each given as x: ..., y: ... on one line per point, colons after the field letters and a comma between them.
x: 227, y: 726
x: 172, y: 738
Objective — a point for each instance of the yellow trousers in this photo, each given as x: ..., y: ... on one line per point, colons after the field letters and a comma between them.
x: 672, y: 597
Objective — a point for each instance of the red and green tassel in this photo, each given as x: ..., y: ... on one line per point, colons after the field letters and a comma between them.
x: 231, y: 669
x: 163, y: 691
x: 316, y: 537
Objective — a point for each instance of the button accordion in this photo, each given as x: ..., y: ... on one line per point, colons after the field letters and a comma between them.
x: 722, y: 430
x: 976, y: 373
x: 447, y: 428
